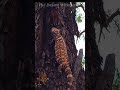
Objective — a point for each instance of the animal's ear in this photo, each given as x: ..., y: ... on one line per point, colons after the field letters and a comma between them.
x: 55, y: 30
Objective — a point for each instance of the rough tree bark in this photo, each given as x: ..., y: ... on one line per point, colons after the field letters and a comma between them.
x: 93, y: 58
x: 95, y: 13
x: 46, y: 18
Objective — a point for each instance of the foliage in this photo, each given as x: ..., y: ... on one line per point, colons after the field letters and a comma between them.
x: 79, y: 15
x: 83, y: 62
x: 79, y: 19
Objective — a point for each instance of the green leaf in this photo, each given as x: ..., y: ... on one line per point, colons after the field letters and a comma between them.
x: 79, y: 19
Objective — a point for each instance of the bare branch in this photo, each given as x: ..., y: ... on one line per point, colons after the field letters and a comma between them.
x: 110, y: 18
x: 77, y: 65
x: 81, y: 33
x: 107, y: 76
x: 117, y: 25
x: 106, y: 24
x: 81, y: 5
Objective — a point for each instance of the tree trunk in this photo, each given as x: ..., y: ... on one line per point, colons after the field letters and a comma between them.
x: 46, y: 65
x: 93, y: 58
x: 105, y: 81
x: 95, y: 13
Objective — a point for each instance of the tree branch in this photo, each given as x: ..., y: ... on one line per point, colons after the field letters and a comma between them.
x: 106, y: 78
x: 81, y: 5
x: 81, y: 33
x: 109, y: 20
x: 77, y: 65
x: 112, y: 16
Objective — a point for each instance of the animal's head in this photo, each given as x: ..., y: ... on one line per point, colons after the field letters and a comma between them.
x: 55, y: 31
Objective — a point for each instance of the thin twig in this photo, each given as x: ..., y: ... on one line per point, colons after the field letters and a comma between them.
x: 81, y: 33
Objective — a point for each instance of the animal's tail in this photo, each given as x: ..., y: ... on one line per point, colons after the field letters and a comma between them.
x: 69, y: 75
